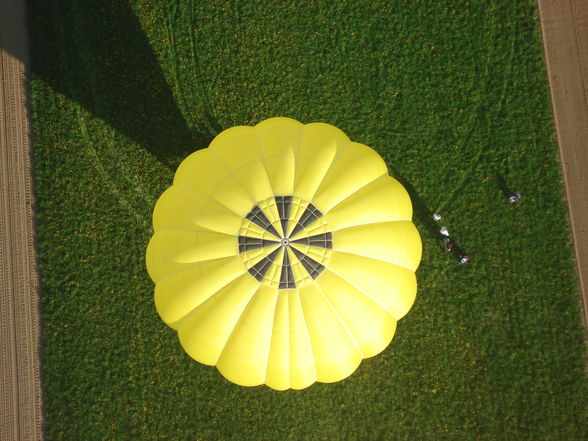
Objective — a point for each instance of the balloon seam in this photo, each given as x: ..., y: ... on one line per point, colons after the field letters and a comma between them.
x: 235, y: 326
x: 307, y: 333
x: 294, y: 221
x: 376, y: 258
x: 341, y: 320
x: 269, y: 346
x: 263, y: 161
x: 364, y: 293
x: 208, y: 198
x: 358, y: 190
x: 335, y: 159
x: 196, y: 231
x: 232, y: 174
x: 189, y: 314
x: 370, y: 223
x: 194, y: 266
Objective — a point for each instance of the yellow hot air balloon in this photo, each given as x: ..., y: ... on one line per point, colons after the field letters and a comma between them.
x: 284, y: 254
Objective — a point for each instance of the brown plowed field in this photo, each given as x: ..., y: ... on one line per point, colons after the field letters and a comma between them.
x: 20, y: 391
x: 565, y: 38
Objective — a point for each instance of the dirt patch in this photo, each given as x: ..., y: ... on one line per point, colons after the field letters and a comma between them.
x: 565, y: 39
x: 20, y: 385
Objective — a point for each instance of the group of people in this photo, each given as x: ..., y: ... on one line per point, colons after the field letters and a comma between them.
x: 444, y: 234
x: 449, y: 245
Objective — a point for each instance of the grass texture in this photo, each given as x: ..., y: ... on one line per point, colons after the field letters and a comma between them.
x: 453, y: 94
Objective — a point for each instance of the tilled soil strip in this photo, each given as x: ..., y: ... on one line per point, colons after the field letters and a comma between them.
x: 20, y: 391
x: 565, y: 38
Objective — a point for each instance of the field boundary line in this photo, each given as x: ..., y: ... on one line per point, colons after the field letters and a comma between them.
x: 20, y: 386
x: 564, y: 25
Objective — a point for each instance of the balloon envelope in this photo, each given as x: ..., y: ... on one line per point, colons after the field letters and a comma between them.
x: 284, y: 254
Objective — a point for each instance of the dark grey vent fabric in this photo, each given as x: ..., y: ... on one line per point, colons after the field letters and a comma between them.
x: 324, y: 240
x: 287, y: 278
x: 258, y: 217
x: 284, y: 204
x: 260, y: 269
x: 247, y: 243
x: 312, y: 266
x: 286, y: 274
x: 310, y: 215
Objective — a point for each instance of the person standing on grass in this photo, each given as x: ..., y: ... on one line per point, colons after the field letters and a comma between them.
x: 447, y: 241
x: 515, y: 197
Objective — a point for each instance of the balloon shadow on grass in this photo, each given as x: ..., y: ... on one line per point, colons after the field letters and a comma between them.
x: 96, y: 53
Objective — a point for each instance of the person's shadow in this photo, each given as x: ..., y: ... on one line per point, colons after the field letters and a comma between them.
x: 95, y: 53
x: 425, y: 215
x: 507, y: 192
x: 421, y: 211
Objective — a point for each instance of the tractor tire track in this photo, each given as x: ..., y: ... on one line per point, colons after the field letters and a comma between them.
x: 564, y: 25
x: 20, y: 385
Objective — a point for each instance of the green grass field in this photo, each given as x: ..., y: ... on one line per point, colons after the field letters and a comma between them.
x: 453, y: 94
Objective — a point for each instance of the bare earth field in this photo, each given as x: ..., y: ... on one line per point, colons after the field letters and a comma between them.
x: 20, y: 392
x: 565, y: 38
x: 565, y: 31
